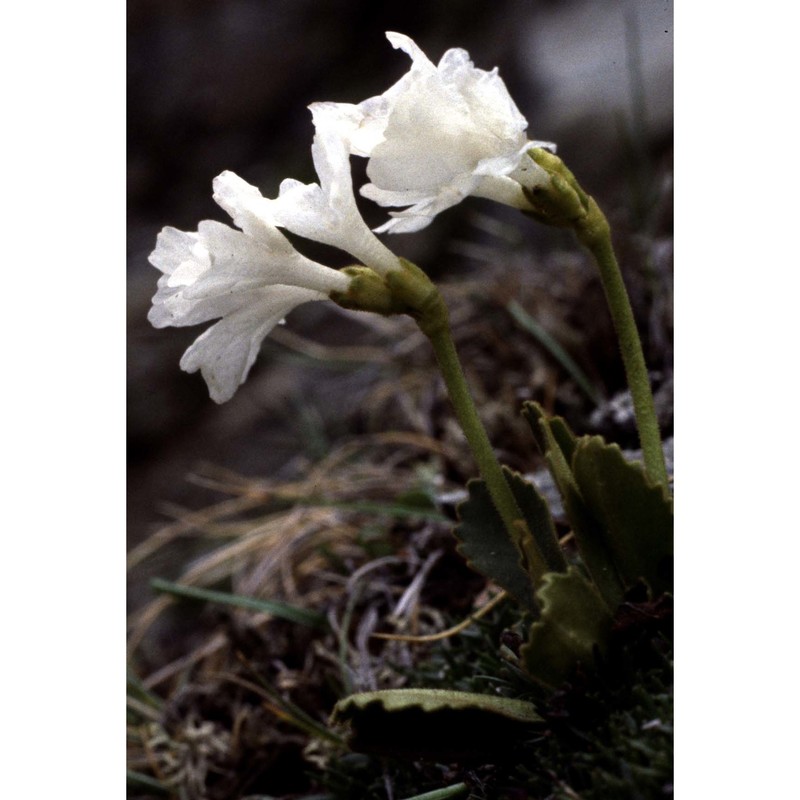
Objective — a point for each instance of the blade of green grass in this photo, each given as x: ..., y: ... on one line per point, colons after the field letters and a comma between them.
x: 137, y: 689
x: 525, y: 320
x: 140, y: 780
x: 276, y: 608
x: 442, y: 794
x: 291, y: 712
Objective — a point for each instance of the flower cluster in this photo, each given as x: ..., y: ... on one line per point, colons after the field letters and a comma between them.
x: 441, y: 133
x: 253, y: 277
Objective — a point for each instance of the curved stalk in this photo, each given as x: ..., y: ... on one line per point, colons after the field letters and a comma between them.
x: 470, y: 422
x: 563, y: 203
x: 441, y: 339
x: 410, y: 291
x: 594, y: 232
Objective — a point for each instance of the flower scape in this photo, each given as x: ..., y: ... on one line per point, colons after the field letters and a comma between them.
x: 507, y: 638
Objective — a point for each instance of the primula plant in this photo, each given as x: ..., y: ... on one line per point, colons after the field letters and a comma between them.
x: 444, y: 132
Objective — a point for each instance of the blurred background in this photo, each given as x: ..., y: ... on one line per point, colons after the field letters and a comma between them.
x: 224, y: 84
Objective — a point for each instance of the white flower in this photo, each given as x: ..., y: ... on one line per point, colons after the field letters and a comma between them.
x: 327, y: 212
x: 249, y: 279
x: 439, y: 134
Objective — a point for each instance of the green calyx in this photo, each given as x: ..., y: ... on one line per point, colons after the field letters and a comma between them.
x: 407, y: 290
x: 367, y: 292
x: 419, y: 297
x: 561, y: 202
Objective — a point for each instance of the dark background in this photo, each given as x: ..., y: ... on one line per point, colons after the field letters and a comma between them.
x: 224, y: 84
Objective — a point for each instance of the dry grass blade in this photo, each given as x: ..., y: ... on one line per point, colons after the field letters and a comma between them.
x: 230, y: 507
x: 266, y: 543
x: 456, y: 629
x: 183, y: 664
x: 248, y: 494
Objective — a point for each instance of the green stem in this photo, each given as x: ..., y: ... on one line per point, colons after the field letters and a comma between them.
x: 409, y: 290
x: 594, y: 232
x: 472, y: 426
x: 441, y: 339
x: 562, y: 202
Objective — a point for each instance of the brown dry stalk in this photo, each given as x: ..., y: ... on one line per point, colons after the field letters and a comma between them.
x: 456, y: 629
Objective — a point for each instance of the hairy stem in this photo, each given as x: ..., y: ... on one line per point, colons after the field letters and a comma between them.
x: 594, y: 232
x: 441, y: 339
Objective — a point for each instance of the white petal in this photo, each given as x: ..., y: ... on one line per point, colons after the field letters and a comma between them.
x: 405, y: 43
x: 440, y: 133
x: 371, y: 117
x: 213, y: 272
x: 173, y: 248
x: 172, y: 307
x: 529, y: 174
x: 327, y: 212
x: 551, y: 147
x: 225, y: 352
x: 486, y: 97
x: 390, y: 197
x: 239, y: 259
x: 422, y: 213
x: 501, y: 189
x: 249, y: 210
x: 424, y: 149
x: 302, y: 209
x: 324, y: 212
x: 248, y: 279
x: 360, y: 126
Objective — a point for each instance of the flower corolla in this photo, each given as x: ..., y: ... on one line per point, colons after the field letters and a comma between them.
x: 326, y: 212
x: 440, y: 133
x: 251, y: 278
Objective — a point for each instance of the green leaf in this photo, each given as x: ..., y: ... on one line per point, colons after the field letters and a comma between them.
x: 485, y: 544
x: 564, y: 437
x: 484, y: 541
x: 140, y: 692
x: 635, y: 514
x: 535, y: 415
x: 573, y: 623
x: 434, y: 723
x: 558, y: 444
x: 593, y: 547
x: 537, y: 515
